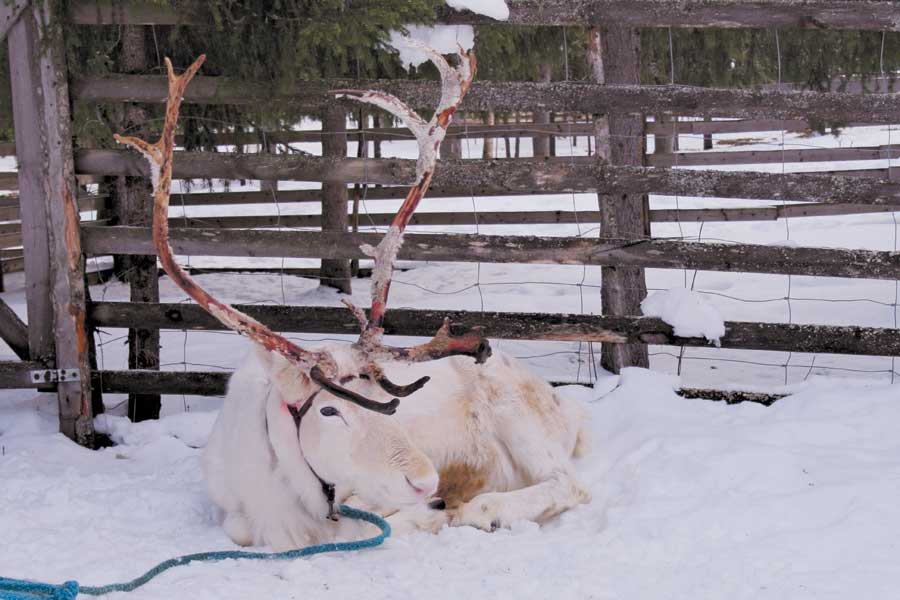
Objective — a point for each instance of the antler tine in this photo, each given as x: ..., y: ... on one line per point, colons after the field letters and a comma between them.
x: 160, y: 156
x: 390, y: 103
x: 455, y: 83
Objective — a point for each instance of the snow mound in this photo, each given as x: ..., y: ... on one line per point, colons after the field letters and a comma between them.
x: 446, y: 39
x: 495, y: 9
x: 192, y: 429
x: 689, y: 313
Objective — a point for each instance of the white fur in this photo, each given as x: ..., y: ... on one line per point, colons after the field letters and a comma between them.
x: 497, y: 419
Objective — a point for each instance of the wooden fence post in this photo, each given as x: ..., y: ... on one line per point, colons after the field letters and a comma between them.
x: 334, y: 272
x: 540, y: 143
x: 614, y: 55
x: 134, y: 205
x: 54, y: 266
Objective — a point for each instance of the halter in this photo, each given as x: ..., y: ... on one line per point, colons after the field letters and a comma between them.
x: 327, y: 488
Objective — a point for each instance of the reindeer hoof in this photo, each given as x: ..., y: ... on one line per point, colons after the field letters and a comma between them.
x: 482, y: 513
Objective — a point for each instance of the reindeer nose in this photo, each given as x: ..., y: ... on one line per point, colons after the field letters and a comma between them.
x: 424, y: 486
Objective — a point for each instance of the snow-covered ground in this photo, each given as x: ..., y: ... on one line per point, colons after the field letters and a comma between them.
x: 690, y: 498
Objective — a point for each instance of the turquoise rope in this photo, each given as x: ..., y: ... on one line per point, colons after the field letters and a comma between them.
x: 20, y: 589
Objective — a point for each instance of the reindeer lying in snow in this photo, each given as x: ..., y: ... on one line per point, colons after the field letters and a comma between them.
x: 301, y: 430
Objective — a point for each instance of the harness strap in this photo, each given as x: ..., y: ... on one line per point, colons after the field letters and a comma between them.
x: 327, y: 488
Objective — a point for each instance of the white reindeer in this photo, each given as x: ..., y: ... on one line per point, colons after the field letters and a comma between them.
x: 481, y: 443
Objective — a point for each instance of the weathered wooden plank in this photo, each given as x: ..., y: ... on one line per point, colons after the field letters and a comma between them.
x: 685, y: 215
x: 196, y: 383
x: 210, y: 383
x: 55, y: 274
x: 9, y: 181
x: 477, y: 131
x: 335, y: 272
x: 25, y: 80
x: 764, y: 213
x: 307, y: 196
x: 665, y: 254
x: 12, y: 265
x: 13, y: 331
x: 503, y: 176
x: 9, y: 14
x: 832, y: 14
x: 516, y: 326
x: 132, y: 203
x: 561, y: 96
x: 731, y: 126
x: 9, y: 210
x: 745, y: 157
x: 11, y: 239
x: 729, y: 396
x: 16, y: 375
x: 614, y: 58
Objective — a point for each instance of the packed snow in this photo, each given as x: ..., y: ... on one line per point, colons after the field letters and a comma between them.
x: 691, y: 499
x: 689, y: 313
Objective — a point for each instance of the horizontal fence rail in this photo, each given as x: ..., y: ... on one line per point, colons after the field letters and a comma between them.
x: 663, y: 254
x: 537, y: 217
x: 501, y: 176
x: 875, y: 15
x: 563, y: 96
x: 525, y: 128
x: 514, y: 326
x: 773, y: 156
x: 207, y: 383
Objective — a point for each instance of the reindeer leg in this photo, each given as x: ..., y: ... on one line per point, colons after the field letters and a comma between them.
x: 545, y: 463
x: 558, y: 493
x: 403, y: 521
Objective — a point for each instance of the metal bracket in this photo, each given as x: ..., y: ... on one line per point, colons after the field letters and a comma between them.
x: 54, y: 375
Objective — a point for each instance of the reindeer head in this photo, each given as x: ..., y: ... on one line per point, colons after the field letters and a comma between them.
x: 331, y: 394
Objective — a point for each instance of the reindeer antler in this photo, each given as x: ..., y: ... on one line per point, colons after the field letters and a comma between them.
x: 455, y: 83
x: 320, y: 367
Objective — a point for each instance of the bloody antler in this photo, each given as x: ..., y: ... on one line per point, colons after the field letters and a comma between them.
x: 455, y: 83
x: 320, y: 365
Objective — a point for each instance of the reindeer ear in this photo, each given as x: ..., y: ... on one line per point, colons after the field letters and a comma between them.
x: 289, y: 379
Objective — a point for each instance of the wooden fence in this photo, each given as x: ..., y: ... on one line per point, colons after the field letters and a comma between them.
x: 56, y: 344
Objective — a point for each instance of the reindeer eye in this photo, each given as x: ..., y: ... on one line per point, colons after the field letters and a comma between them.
x: 329, y: 411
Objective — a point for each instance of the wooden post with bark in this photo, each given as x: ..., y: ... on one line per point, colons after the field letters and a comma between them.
x: 334, y: 272
x: 614, y: 55
x: 133, y: 204
x: 57, y: 332
x: 541, y: 143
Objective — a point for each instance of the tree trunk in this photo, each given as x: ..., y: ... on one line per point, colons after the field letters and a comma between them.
x: 614, y: 55
x: 334, y: 272
x: 134, y: 206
